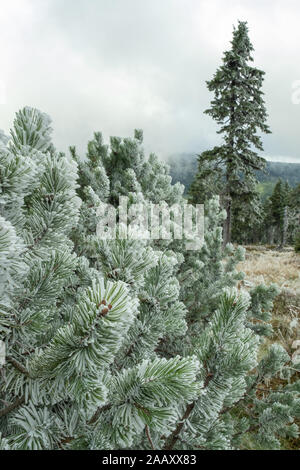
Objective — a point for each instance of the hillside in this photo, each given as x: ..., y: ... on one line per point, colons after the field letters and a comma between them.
x: 183, y: 167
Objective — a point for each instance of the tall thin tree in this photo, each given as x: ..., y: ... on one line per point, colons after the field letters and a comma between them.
x: 238, y: 107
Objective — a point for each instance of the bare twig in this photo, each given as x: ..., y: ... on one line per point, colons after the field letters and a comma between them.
x: 149, y: 437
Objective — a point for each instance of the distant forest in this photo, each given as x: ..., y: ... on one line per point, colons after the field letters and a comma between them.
x: 183, y: 168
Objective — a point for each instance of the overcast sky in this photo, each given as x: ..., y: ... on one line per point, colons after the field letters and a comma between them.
x: 116, y: 65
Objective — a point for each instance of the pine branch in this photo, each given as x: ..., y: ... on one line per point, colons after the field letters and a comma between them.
x: 18, y: 366
x: 250, y: 388
x: 98, y: 412
x: 250, y: 429
x: 172, y: 439
x: 149, y: 437
x: 18, y: 402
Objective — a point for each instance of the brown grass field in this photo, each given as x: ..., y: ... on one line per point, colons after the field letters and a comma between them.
x: 264, y: 264
x: 267, y: 265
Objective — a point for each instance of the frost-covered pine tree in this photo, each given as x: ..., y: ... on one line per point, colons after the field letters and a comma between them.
x: 66, y: 324
x: 124, y: 343
x: 223, y: 326
x: 238, y: 108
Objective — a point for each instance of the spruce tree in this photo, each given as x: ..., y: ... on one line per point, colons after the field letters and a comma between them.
x: 297, y: 242
x: 279, y: 201
x: 238, y: 108
x: 294, y: 214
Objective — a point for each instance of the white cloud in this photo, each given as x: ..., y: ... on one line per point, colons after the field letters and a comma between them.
x: 114, y: 66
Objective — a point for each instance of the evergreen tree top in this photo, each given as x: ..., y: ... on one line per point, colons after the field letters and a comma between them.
x: 238, y: 104
x: 241, y: 44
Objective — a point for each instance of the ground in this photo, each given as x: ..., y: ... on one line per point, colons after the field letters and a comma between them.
x: 264, y: 264
x: 267, y: 265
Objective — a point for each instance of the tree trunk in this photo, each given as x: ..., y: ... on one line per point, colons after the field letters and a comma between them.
x: 270, y: 235
x: 227, y: 223
x: 284, y: 228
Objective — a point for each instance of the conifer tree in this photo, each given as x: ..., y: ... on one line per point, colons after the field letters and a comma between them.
x: 297, y: 242
x: 67, y: 325
x: 125, y: 343
x: 207, y: 279
x: 279, y: 201
x: 238, y: 108
x: 294, y: 214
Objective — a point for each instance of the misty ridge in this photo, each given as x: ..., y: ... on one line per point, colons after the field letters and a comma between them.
x: 183, y: 167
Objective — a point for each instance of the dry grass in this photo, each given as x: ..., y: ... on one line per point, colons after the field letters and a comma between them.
x: 266, y: 265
